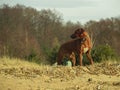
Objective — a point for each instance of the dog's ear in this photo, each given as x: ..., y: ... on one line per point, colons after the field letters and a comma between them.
x: 79, y: 31
x: 82, y: 30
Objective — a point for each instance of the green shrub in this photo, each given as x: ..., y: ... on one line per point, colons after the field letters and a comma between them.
x: 33, y: 57
x: 102, y: 53
x: 53, y: 54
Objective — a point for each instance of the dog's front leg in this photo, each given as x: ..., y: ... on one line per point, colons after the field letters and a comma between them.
x: 80, y: 59
x: 89, y: 57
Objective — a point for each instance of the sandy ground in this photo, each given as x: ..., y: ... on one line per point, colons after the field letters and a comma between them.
x: 16, y: 76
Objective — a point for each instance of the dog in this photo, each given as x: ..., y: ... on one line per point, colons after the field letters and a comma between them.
x: 69, y: 49
x: 86, y: 46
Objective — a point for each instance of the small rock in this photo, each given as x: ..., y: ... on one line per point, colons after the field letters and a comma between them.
x: 116, y: 83
x: 77, y: 87
x: 98, y: 87
x: 90, y: 79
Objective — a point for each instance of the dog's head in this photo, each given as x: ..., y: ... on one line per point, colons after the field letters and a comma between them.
x: 77, y: 33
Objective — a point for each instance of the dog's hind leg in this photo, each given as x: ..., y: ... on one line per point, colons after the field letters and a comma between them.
x: 73, y: 58
x: 59, y: 58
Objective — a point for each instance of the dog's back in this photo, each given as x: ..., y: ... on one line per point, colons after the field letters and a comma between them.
x: 72, y: 46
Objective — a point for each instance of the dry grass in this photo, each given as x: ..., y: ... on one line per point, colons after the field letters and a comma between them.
x: 6, y: 61
x: 16, y: 74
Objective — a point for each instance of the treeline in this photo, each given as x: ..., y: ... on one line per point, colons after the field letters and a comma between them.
x: 31, y: 34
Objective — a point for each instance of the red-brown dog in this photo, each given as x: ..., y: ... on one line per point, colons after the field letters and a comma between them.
x: 69, y: 49
x: 86, y: 45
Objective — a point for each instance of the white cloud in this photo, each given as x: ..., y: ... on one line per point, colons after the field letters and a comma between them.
x: 65, y: 3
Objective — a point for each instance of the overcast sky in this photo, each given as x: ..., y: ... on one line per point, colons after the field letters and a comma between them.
x: 75, y: 10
